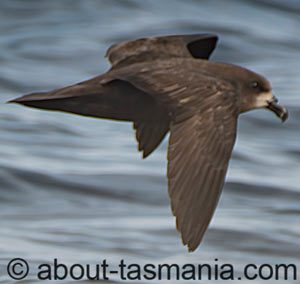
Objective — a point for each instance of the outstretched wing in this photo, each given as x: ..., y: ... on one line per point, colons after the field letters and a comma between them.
x: 199, y: 151
x: 120, y: 100
x: 163, y: 47
x: 203, y: 114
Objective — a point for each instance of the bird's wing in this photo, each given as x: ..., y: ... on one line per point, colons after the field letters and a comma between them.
x: 118, y: 100
x: 203, y: 129
x: 163, y: 47
x: 199, y: 151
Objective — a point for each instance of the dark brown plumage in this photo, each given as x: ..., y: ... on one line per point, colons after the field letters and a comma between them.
x: 167, y: 84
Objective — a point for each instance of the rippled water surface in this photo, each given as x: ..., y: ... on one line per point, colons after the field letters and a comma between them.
x: 76, y: 189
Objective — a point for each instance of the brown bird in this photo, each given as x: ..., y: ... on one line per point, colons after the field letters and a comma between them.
x: 166, y: 84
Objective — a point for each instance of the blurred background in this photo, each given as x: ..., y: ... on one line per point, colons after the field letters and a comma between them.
x: 76, y: 188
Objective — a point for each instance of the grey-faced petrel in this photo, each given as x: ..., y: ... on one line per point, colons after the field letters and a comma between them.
x: 164, y: 84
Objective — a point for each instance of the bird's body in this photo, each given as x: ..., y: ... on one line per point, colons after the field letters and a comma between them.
x: 167, y: 84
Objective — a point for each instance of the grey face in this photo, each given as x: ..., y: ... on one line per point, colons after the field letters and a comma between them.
x: 257, y: 93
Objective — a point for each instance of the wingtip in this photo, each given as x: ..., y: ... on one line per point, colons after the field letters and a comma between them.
x: 13, y: 101
x: 25, y: 99
x: 20, y: 100
x: 191, y: 246
x: 190, y: 249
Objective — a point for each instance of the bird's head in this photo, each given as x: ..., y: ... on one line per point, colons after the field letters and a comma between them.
x: 256, y: 92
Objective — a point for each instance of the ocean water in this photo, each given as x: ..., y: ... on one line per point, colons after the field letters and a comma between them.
x: 76, y: 189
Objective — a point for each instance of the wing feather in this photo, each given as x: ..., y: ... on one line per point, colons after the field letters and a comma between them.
x: 200, y: 111
x: 196, y: 171
x: 117, y: 100
x: 203, y: 112
x: 147, y: 49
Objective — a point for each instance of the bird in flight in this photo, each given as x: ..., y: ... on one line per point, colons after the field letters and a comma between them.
x: 166, y: 84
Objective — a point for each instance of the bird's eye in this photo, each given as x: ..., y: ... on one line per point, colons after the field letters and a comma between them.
x: 254, y: 85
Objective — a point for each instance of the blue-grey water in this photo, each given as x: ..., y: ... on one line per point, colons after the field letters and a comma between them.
x: 76, y: 188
